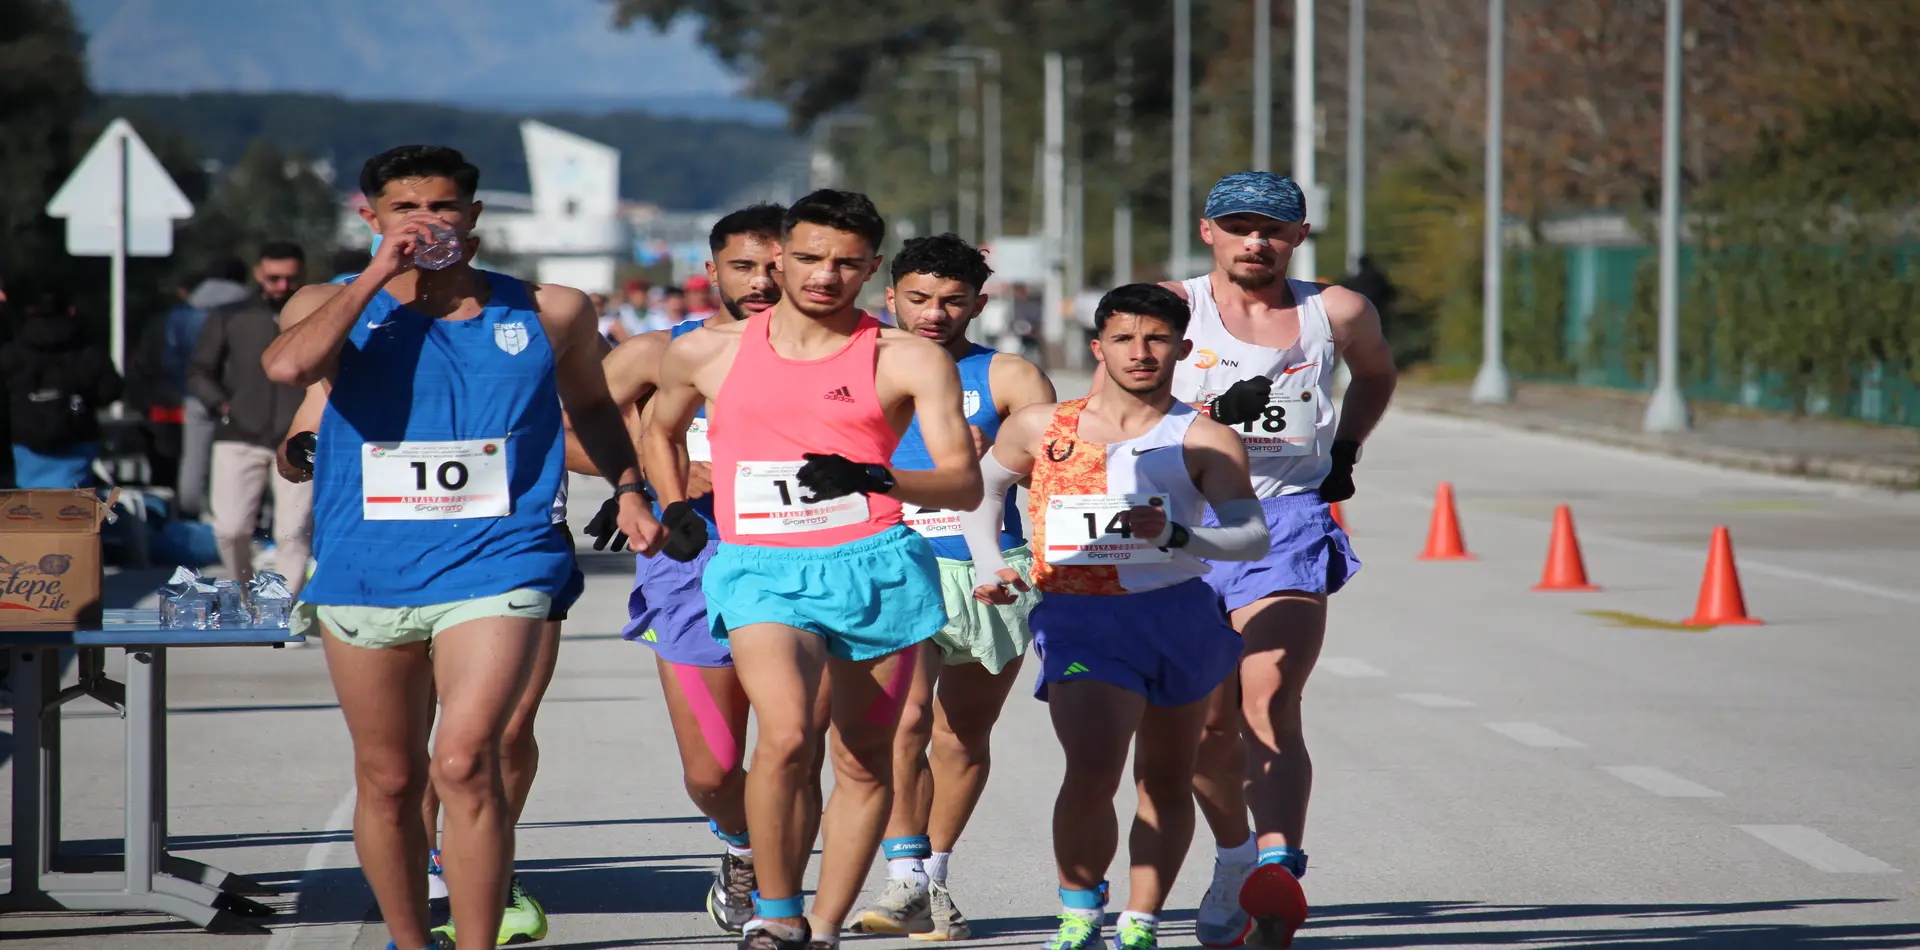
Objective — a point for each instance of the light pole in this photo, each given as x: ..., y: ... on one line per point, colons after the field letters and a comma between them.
x: 1123, y: 157
x: 1054, y: 217
x: 1182, y: 235
x: 968, y: 120
x: 1356, y: 133
x: 1305, y: 266
x: 991, y: 225
x: 1262, y: 85
x: 1491, y: 384
x: 1667, y: 410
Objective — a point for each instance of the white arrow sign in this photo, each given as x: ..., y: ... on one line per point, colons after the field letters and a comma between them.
x: 119, y: 202
x: 119, y: 165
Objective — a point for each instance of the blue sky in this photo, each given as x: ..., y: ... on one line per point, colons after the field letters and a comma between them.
x: 464, y: 52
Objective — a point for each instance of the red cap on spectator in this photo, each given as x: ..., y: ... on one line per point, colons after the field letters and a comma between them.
x: 635, y: 286
x: 698, y: 283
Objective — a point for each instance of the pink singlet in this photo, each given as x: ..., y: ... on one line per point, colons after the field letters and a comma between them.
x: 771, y: 410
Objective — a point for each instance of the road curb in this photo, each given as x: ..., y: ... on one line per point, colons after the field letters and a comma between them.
x: 1857, y: 471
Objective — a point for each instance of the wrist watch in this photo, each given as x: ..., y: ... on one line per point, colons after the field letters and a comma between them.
x: 633, y: 488
x: 881, y: 477
x: 1180, y: 536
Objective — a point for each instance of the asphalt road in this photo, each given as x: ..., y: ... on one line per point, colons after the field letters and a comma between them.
x: 1496, y: 766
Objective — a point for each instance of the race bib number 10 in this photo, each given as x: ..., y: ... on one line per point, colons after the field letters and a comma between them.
x: 769, y: 499
x: 1090, y: 529
x: 434, y: 481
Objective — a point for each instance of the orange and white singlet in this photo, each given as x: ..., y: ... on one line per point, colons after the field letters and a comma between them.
x: 1080, y: 488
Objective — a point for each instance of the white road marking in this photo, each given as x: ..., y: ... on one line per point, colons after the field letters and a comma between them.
x: 1534, y: 734
x: 1818, y: 850
x: 1659, y: 781
x: 332, y: 936
x: 1435, y: 701
x: 1349, y: 667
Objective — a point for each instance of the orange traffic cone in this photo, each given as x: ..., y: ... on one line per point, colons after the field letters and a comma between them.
x: 1334, y: 509
x: 1566, y: 570
x: 1443, y: 536
x: 1721, y: 603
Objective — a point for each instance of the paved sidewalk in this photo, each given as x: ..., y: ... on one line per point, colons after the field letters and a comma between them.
x: 1884, y: 456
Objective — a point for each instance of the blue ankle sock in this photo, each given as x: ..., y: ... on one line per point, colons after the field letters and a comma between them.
x: 1293, y: 859
x: 908, y: 846
x: 1073, y: 899
x: 794, y: 906
x: 740, y: 840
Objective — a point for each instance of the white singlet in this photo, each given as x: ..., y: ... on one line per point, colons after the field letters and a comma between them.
x: 1302, y: 375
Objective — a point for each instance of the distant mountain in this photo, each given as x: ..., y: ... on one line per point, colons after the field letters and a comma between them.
x: 477, y: 53
x: 678, y: 163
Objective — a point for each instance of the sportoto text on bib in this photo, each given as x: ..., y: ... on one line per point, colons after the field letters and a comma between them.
x: 434, y: 481
x: 1286, y: 427
x: 1090, y: 529
x: 769, y: 499
x: 931, y: 522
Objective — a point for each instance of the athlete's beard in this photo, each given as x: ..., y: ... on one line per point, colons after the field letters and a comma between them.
x: 1255, y: 280
x: 737, y: 307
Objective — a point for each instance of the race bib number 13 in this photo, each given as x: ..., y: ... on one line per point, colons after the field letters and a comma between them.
x: 1089, y: 529
x: 768, y: 499
x: 434, y: 481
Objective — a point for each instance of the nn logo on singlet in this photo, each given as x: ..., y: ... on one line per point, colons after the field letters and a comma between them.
x: 843, y: 394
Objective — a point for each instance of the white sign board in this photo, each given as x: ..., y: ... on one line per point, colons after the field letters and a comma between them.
x: 90, y: 200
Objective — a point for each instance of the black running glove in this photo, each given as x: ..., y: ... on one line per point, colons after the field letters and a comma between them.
x: 1244, y: 401
x: 831, y: 476
x: 604, y: 529
x: 1338, y: 485
x: 686, y: 531
x: 300, y: 450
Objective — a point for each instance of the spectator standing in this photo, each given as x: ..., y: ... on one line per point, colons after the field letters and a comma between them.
x: 56, y: 383
x: 673, y: 306
x: 700, y: 299
x: 225, y: 284
x: 254, y: 413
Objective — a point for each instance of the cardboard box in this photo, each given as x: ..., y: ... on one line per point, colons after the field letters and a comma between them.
x: 50, y: 567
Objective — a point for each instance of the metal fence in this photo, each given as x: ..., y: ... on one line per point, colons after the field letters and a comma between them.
x: 1824, y: 331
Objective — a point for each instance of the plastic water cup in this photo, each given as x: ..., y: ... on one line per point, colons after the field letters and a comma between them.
x: 441, y: 251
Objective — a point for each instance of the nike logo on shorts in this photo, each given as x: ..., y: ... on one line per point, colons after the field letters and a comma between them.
x: 513, y: 606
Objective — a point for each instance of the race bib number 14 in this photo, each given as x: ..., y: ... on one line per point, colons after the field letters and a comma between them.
x: 434, y: 481
x: 769, y: 499
x: 1090, y: 529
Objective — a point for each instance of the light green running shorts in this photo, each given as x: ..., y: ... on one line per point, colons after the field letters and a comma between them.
x: 380, y: 627
x: 983, y: 633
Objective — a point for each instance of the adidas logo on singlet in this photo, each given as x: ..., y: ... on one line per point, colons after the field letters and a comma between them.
x: 843, y: 394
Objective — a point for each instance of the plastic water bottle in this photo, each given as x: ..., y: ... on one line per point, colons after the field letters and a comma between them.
x: 441, y: 251
x: 232, y: 601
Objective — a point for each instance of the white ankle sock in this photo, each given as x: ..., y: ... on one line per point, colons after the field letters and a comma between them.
x: 1148, y: 921
x: 908, y: 869
x: 1246, y: 852
x: 937, y: 867
x: 744, y: 854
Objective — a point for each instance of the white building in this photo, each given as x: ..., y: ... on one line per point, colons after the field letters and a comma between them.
x: 570, y: 230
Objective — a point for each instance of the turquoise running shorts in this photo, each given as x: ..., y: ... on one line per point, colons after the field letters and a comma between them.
x: 866, y: 598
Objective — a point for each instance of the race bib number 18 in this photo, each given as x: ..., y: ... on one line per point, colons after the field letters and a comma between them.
x: 434, y: 481
x: 768, y: 499
x: 1089, y: 529
x: 1285, y: 428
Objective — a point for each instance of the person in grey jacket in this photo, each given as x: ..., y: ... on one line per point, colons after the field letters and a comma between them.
x: 226, y: 375
x: 224, y: 285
